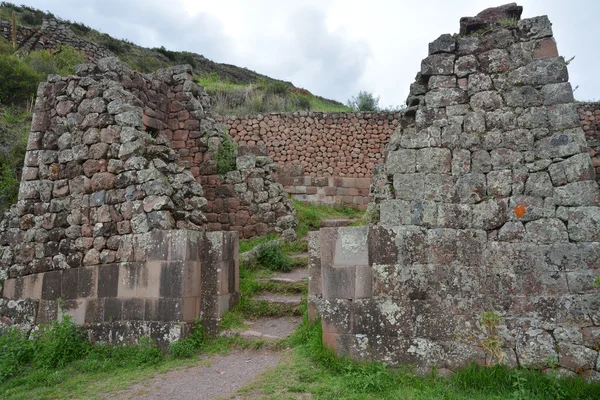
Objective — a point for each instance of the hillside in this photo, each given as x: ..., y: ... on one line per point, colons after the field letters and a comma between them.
x: 234, y: 90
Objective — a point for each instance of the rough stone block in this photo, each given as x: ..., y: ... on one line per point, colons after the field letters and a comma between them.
x: 584, y: 224
x: 546, y: 230
x: 402, y: 161
x: 434, y: 160
x: 339, y: 282
x: 576, y: 168
x: 438, y: 64
x: 409, y: 186
x: 108, y: 280
x: 583, y: 193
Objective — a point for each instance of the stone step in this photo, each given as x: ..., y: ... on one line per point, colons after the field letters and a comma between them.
x: 337, y: 222
x: 289, y: 301
x: 294, y: 277
x: 300, y: 255
x: 267, y: 328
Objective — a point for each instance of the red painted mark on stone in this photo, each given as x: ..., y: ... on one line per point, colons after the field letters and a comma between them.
x: 520, y: 210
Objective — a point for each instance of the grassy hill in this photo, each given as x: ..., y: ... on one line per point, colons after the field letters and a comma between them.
x: 234, y: 90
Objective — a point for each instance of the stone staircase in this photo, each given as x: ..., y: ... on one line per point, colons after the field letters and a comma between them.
x: 287, y: 297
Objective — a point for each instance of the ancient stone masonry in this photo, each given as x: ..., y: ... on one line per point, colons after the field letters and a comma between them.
x: 322, y: 157
x: 589, y: 114
x: 488, y: 241
x: 108, y: 219
x: 52, y: 34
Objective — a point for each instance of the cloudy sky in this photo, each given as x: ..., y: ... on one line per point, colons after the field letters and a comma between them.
x: 334, y: 48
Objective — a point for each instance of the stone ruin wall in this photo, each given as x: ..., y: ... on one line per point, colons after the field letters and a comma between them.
x: 329, y: 157
x: 488, y: 241
x: 111, y: 216
x: 589, y: 114
x: 52, y: 34
x: 322, y: 157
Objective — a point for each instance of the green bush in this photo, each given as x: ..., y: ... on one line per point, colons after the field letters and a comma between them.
x: 19, y: 80
x: 272, y: 256
x: 364, y: 101
x: 225, y: 155
x: 16, y: 351
x: 147, y: 352
x: 58, y: 344
x: 61, y: 61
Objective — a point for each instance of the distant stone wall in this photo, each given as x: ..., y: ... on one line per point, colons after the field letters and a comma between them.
x: 589, y: 114
x: 488, y: 242
x: 52, y: 34
x: 323, y: 144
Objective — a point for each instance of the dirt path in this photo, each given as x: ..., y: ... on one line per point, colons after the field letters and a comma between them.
x: 225, y: 375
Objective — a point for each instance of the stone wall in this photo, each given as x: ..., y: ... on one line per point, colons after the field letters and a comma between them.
x: 487, y: 245
x: 589, y: 114
x: 329, y: 157
x: 324, y: 144
x: 52, y: 34
x: 109, y: 218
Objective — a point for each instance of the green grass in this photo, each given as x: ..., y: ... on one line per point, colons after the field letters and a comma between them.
x: 311, y: 371
x: 262, y: 96
x: 310, y: 215
x: 248, y: 244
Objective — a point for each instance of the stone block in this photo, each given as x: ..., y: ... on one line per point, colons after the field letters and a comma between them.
x: 351, y: 246
x: 382, y: 245
x: 70, y: 278
x: 409, y: 186
x: 32, y: 286
x: 314, y: 264
x: 583, y: 193
x: 547, y: 230
x: 471, y: 188
x: 576, y: 168
x: 108, y: 280
x: 584, y: 224
x: 87, y: 281
x: 499, y: 183
x: 438, y: 64
x: 539, y: 185
x: 563, y: 116
x: 434, y: 160
x: 402, y: 161
x: 446, y: 97
x: 339, y: 282
x: 51, y: 287
x: 444, y: 44
x: 455, y: 216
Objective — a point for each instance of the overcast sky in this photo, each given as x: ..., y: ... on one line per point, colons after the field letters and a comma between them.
x: 334, y: 48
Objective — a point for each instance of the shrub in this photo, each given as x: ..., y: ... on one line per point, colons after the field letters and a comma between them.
x: 58, y: 344
x: 19, y: 80
x: 225, y: 155
x: 16, y: 351
x: 5, y: 47
x: 271, y: 256
x: 189, y: 346
x: 148, y: 352
x: 364, y: 101
x: 61, y: 61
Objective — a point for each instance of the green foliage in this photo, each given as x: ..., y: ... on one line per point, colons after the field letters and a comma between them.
x: 249, y: 244
x: 310, y: 215
x: 225, y: 154
x: 14, y: 130
x: 265, y: 96
x: 19, y: 80
x: 364, y: 101
x: 189, y: 346
x: 5, y: 47
x: 597, y: 282
x: 16, y: 351
x: 509, y: 22
x: 271, y: 256
x: 61, y: 61
x: 58, y: 344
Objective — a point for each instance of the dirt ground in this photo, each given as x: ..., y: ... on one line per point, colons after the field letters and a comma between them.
x: 225, y: 375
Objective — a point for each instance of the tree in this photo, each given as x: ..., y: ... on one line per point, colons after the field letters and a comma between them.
x: 364, y: 101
